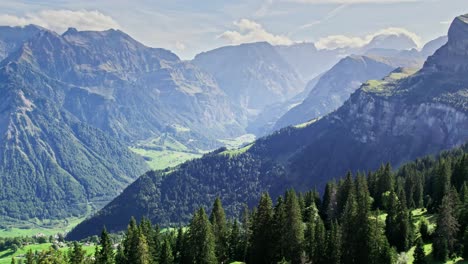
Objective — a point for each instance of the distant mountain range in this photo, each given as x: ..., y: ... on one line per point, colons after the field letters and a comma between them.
x: 73, y: 104
x: 334, y: 88
x: 406, y: 115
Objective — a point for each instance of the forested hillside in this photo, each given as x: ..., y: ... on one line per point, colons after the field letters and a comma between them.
x: 391, y: 120
x: 375, y: 217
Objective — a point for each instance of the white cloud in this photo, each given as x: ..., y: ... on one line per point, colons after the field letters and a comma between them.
x: 342, y: 41
x: 250, y: 31
x: 350, y: 1
x: 60, y: 20
x: 180, y: 46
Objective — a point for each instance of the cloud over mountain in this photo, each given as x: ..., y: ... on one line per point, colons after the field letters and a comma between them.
x: 60, y: 20
x: 342, y: 41
x: 250, y: 31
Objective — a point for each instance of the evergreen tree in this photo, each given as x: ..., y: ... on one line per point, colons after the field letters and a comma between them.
x: 446, y: 229
x: 261, y: 242
x: 349, y: 225
x: 142, y: 254
x: 329, y: 205
x: 76, y: 254
x: 345, y: 188
x: 419, y: 255
x: 219, y: 224
x: 397, y: 224
x: 120, y: 255
x: 179, y: 246
x: 294, y: 234
x: 29, y: 257
x: 378, y: 249
x: 130, y: 243
x: 105, y: 255
x: 235, y: 247
x: 246, y: 233
x: 333, y: 252
x: 279, y: 230
x: 309, y: 240
x: 320, y: 246
x: 166, y: 253
x: 201, y: 241
x: 465, y: 245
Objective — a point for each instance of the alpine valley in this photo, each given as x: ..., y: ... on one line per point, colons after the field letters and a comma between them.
x: 362, y: 142
x: 405, y: 115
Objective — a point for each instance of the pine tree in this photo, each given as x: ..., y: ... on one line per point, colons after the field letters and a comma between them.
x: 465, y: 244
x: 333, y: 252
x: 320, y: 245
x: 345, y: 188
x: 142, y: 254
x: 329, y: 205
x: 349, y: 225
x: 261, y: 242
x: 218, y: 222
x: 29, y: 257
x: 166, y: 253
x: 235, y: 247
x: 397, y: 224
x: 179, y: 246
x: 120, y: 255
x: 309, y: 240
x: 419, y: 255
x: 295, y: 230
x: 446, y: 229
x: 76, y: 254
x: 201, y: 241
x: 106, y: 254
x: 279, y: 230
x: 131, y: 242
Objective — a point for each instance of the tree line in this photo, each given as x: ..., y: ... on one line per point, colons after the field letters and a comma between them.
x: 364, y: 218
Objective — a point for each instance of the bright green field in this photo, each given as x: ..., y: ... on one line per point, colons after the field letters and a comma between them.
x: 46, y: 228
x: 234, y: 143
x: 161, y: 159
x: 5, y: 256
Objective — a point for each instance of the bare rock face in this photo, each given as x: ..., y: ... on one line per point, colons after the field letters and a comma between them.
x: 452, y: 56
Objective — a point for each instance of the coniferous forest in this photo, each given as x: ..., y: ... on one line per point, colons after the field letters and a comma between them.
x: 364, y: 218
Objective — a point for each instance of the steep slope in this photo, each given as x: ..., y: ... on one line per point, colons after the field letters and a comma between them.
x: 51, y: 164
x: 252, y: 75
x: 12, y: 38
x: 335, y: 87
x: 404, y: 116
x: 137, y: 90
x: 71, y: 105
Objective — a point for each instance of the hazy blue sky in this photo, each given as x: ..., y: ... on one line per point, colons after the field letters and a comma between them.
x: 189, y: 27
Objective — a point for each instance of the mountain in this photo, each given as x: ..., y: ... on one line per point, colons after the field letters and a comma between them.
x: 253, y: 75
x: 72, y: 104
x: 395, y: 41
x: 399, y: 118
x: 11, y: 38
x: 334, y: 88
x: 433, y: 45
x: 307, y: 60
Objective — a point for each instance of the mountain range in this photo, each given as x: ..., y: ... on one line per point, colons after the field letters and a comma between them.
x: 72, y: 104
x: 391, y: 120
